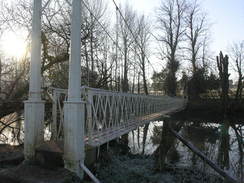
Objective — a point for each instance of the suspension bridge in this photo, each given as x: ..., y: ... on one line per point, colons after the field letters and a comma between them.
x: 109, y: 114
x: 83, y: 115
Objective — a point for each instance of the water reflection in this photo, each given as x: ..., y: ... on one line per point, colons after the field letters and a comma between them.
x: 218, y: 142
x: 12, y: 130
x: 136, y: 139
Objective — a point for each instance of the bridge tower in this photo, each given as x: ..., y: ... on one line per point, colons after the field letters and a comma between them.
x: 73, y: 107
x: 34, y: 106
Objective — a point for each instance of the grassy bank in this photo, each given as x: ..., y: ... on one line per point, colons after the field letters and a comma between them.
x: 140, y: 169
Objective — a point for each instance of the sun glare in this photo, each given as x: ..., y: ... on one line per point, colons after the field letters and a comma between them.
x: 13, y: 46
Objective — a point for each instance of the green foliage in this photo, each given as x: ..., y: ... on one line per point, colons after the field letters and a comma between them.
x: 212, y: 82
x: 200, y: 82
x: 197, y: 83
x: 158, y: 79
x: 170, y: 84
x: 165, y: 81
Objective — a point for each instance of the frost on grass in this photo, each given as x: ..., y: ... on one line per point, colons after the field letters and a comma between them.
x: 133, y: 170
x: 140, y: 169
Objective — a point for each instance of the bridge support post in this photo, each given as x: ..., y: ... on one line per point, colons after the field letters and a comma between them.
x: 54, y: 122
x: 34, y: 107
x: 74, y: 107
x: 74, y: 152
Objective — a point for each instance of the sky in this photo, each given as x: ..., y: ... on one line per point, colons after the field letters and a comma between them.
x: 226, y: 18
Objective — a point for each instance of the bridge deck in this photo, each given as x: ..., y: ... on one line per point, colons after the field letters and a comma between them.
x: 110, y: 114
x: 109, y: 134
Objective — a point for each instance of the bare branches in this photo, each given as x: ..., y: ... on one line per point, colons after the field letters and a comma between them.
x: 143, y: 38
x: 171, y: 26
x: 237, y: 56
x: 196, y: 34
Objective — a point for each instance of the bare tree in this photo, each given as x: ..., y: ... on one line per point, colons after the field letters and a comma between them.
x: 143, y: 41
x: 237, y: 56
x: 237, y: 59
x: 126, y: 25
x: 142, y: 44
x: 170, y: 24
x: 223, y: 68
x: 196, y: 37
x: 55, y: 49
x: 196, y: 32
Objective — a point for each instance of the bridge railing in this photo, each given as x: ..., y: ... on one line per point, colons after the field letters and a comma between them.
x: 109, y: 114
x: 58, y: 97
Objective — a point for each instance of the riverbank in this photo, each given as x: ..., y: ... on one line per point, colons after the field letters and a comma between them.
x: 113, y: 166
x: 13, y: 170
x: 140, y: 169
x: 211, y: 110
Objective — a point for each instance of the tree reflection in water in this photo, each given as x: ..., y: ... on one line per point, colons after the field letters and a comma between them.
x: 220, y: 142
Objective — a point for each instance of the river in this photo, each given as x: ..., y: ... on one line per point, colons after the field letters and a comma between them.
x: 204, y: 135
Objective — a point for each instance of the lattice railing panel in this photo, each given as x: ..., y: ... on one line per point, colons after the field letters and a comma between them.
x: 111, y: 114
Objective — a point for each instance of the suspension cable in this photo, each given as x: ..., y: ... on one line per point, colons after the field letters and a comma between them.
x: 102, y: 26
x: 134, y: 37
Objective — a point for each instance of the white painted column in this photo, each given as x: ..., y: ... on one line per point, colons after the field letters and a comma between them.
x: 34, y: 106
x: 54, y: 112
x: 74, y: 107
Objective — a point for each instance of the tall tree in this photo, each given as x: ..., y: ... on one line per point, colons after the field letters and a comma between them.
x: 196, y: 36
x: 196, y: 32
x: 126, y: 25
x: 237, y: 56
x: 170, y: 24
x: 142, y: 43
x: 223, y: 68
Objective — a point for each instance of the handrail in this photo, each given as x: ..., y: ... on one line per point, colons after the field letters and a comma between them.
x: 84, y: 87
x: 111, y: 113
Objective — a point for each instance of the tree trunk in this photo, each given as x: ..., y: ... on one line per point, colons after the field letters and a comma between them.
x: 144, y: 77
x: 228, y: 178
x: 241, y: 152
x: 223, y: 63
x: 224, y: 146
x: 238, y: 95
x: 87, y: 64
x: 145, y: 131
x: 167, y: 140
x: 138, y: 84
x: 125, y: 86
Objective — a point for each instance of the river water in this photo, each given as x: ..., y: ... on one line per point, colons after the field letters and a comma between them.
x: 206, y: 136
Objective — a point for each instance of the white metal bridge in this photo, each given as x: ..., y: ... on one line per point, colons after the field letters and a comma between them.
x: 82, y: 115
x: 109, y: 114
